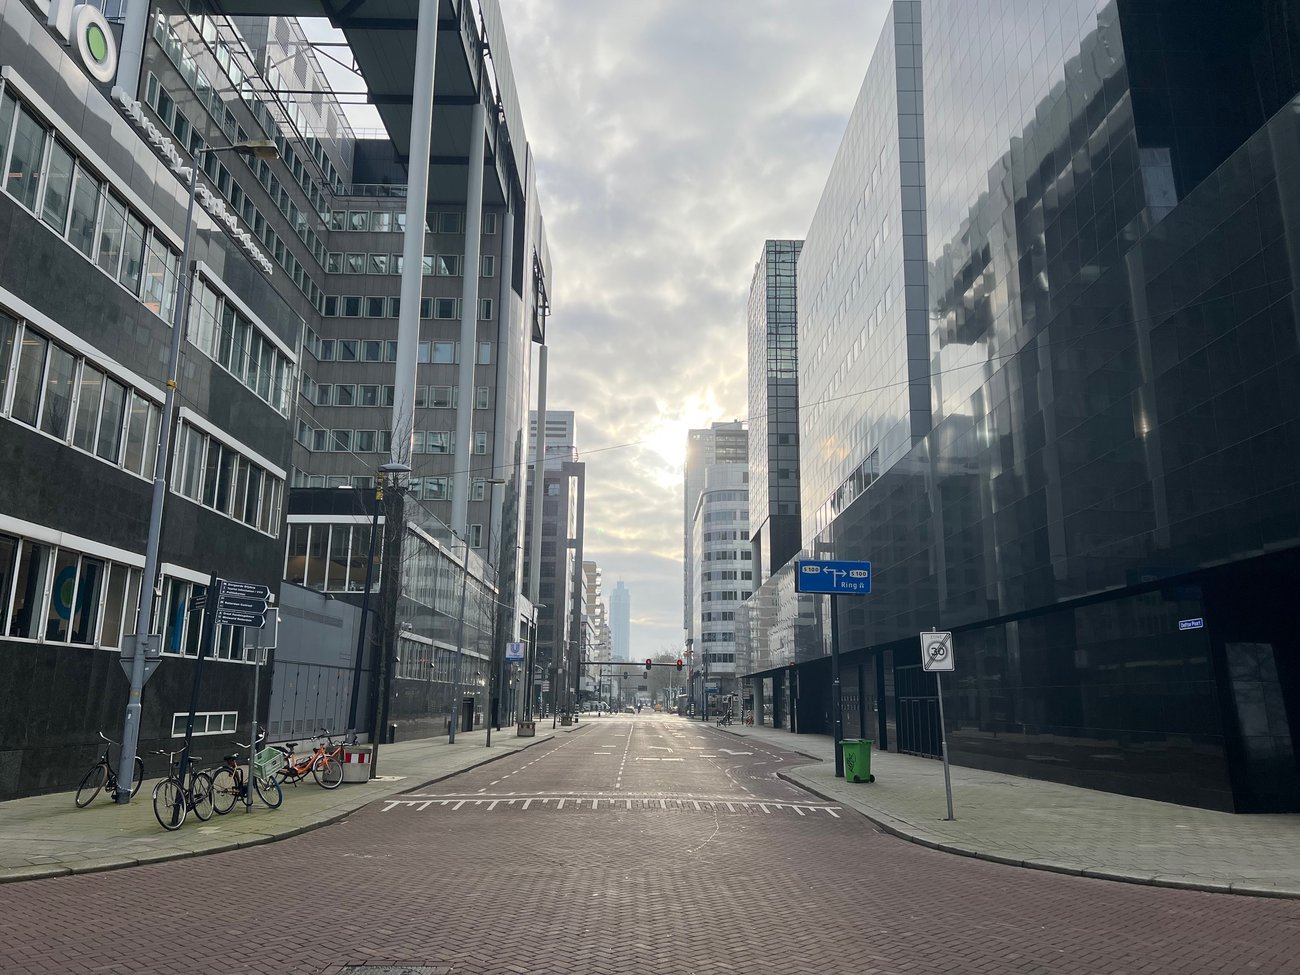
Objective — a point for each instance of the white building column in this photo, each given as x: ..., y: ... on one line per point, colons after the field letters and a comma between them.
x: 469, y: 326
x: 417, y: 192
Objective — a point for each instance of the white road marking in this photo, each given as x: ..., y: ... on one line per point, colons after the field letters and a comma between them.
x: 664, y: 803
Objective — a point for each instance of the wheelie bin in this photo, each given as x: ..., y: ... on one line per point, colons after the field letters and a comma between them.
x: 857, y: 759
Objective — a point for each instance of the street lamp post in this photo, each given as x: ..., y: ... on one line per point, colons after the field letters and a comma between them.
x: 143, y: 644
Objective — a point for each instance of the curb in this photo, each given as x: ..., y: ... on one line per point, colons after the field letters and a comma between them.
x: 46, y: 872
x: 1093, y: 873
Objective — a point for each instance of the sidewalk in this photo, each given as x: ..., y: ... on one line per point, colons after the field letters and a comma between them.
x: 48, y: 836
x: 1046, y: 826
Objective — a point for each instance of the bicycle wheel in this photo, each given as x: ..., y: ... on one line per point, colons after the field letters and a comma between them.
x: 225, y: 790
x: 169, y: 803
x: 328, y: 771
x: 201, y: 796
x: 269, y: 791
x: 91, y: 784
x: 138, y: 778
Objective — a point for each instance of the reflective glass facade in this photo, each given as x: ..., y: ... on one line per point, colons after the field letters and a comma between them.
x: 1105, y: 507
x: 774, y: 407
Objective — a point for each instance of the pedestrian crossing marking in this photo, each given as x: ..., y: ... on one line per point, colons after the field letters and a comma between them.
x: 613, y: 802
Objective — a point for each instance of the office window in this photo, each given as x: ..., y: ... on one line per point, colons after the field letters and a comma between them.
x: 85, y: 209
x: 338, y: 220
x: 485, y: 309
x: 348, y: 350
x: 394, y: 263
x: 437, y: 488
x: 30, y: 377
x: 482, y: 397
x: 324, y: 394
x: 320, y: 440
x: 112, y: 225
x: 489, y: 223
x: 442, y: 397
x: 444, y: 307
x: 426, y: 308
x: 484, y: 353
x: 449, y: 222
x: 375, y: 308
x: 438, y: 442
x: 444, y: 351
x: 381, y: 221
x: 365, y: 442
x: 480, y: 442
x: 421, y: 397
x: 368, y: 396
x: 341, y: 440
x: 378, y: 264
x: 478, y: 489
x: 448, y: 265
x: 351, y: 306
x: 58, y: 187
x: 132, y: 254
x: 345, y: 394
x: 24, y: 171
x: 334, y: 262
x: 359, y: 220
x: 330, y: 308
x: 475, y: 536
x: 394, y: 309
x: 426, y: 264
x: 390, y: 351
x: 29, y: 590
x: 489, y: 265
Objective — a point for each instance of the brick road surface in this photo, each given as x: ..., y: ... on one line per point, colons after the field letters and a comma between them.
x: 640, y: 844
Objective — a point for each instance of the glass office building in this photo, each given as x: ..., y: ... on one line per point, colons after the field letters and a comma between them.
x: 774, y: 408
x: 1096, y: 491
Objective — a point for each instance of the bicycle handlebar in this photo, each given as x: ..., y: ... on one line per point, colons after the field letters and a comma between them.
x: 107, y: 739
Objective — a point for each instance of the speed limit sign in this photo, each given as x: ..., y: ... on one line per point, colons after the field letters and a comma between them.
x: 936, y: 651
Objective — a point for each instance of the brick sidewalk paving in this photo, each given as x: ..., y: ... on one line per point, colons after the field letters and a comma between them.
x: 48, y: 836
x: 1047, y: 826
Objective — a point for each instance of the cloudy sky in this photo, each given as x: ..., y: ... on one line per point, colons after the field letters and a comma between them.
x: 671, y: 138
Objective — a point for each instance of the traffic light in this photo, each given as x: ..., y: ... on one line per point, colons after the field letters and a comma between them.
x: 679, y: 665
x: 648, y: 663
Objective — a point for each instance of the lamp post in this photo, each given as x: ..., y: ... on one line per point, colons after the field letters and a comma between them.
x: 390, y: 584
x: 384, y: 471
x: 143, y: 644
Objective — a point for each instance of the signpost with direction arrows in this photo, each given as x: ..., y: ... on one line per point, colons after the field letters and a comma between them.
x: 235, y: 604
x: 834, y: 577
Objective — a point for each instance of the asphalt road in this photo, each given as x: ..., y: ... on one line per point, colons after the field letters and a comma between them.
x: 638, y: 844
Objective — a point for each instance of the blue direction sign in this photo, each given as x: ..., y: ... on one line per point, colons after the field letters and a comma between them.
x: 514, y: 653
x: 833, y: 577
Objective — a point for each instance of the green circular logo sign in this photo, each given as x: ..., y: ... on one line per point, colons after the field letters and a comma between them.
x: 96, y: 42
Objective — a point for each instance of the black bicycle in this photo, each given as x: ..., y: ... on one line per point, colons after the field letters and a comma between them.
x: 229, y: 784
x: 103, y: 775
x: 172, y: 799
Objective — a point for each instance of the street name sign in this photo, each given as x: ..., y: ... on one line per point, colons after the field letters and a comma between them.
x: 936, y: 651
x: 1196, y: 624
x: 248, y: 590
x: 833, y: 577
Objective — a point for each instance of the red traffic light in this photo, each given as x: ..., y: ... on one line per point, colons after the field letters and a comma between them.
x: 679, y: 665
x: 648, y: 663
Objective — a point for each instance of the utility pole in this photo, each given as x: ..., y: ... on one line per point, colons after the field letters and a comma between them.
x: 390, y: 589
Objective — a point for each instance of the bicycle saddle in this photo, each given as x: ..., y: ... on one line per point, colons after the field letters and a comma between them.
x: 291, y: 745
x: 230, y: 758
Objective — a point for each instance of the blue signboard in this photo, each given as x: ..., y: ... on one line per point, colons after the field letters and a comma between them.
x: 514, y: 653
x: 1196, y: 624
x: 833, y: 577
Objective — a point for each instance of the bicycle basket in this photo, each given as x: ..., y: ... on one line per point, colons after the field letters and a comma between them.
x: 268, y: 761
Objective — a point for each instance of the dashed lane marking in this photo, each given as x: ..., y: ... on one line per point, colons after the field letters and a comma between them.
x: 620, y: 803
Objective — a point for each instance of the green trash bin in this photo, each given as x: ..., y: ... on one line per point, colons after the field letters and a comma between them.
x: 857, y: 759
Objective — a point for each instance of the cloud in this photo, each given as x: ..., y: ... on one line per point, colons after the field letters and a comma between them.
x: 672, y: 138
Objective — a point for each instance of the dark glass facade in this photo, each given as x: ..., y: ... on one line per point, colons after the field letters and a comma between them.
x: 1104, y: 510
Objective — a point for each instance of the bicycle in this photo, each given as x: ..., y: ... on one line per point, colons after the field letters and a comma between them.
x: 102, y: 774
x: 230, y: 785
x: 172, y: 799
x: 724, y: 719
x: 325, y: 766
